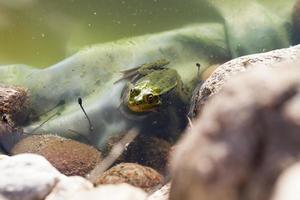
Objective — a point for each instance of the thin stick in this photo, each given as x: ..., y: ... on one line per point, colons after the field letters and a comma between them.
x: 43, y: 123
x: 87, y: 117
x: 113, y: 155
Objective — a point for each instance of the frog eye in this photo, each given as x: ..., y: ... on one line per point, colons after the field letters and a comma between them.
x: 150, y: 98
x: 134, y: 92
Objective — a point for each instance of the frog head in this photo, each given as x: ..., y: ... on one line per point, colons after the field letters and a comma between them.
x: 143, y: 97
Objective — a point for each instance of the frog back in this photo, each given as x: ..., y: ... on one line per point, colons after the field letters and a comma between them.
x: 162, y: 81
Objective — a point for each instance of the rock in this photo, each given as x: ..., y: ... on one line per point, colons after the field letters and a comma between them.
x: 3, y: 198
x: 27, y: 177
x: 243, y: 139
x: 145, y: 150
x: 14, y: 103
x: 3, y: 156
x: 288, y: 184
x: 161, y: 194
x: 9, y: 136
x: 224, y: 72
x: 111, y: 192
x: 69, y: 186
x: 68, y: 156
x: 133, y: 174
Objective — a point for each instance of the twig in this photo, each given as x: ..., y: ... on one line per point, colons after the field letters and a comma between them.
x: 114, y: 154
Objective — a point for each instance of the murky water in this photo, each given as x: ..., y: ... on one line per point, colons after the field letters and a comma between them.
x: 41, y: 33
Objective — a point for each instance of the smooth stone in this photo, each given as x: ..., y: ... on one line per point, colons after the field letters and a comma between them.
x: 288, y: 184
x: 68, y: 186
x: 112, y: 192
x: 27, y: 177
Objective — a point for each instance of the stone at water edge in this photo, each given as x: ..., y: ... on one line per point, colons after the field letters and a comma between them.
x: 288, y: 184
x: 111, y: 192
x: 27, y: 177
x: 245, y: 136
x: 228, y: 70
x: 69, y: 186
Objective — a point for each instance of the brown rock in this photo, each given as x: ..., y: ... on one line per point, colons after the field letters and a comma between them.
x: 133, y: 174
x: 229, y: 69
x: 14, y: 102
x: 68, y: 156
x: 244, y: 138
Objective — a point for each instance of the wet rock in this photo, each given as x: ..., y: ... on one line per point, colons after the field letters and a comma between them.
x: 9, y: 136
x: 161, y: 194
x: 14, y: 102
x: 3, y: 198
x: 111, y: 192
x: 69, y: 186
x: 68, y: 156
x: 3, y: 156
x: 288, y: 184
x: 133, y: 174
x: 229, y: 69
x: 243, y: 139
x: 27, y: 177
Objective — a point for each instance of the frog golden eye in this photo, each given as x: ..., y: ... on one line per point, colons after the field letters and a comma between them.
x: 150, y: 98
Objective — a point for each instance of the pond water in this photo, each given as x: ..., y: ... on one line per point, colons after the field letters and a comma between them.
x: 41, y: 33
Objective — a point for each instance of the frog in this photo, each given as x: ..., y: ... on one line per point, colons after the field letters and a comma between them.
x: 149, y: 86
x: 156, y: 92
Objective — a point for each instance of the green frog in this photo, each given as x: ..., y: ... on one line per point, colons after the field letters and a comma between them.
x: 157, y: 93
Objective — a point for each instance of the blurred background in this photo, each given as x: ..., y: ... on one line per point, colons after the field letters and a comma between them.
x: 41, y: 33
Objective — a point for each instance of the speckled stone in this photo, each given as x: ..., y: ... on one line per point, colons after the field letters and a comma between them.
x: 133, y: 174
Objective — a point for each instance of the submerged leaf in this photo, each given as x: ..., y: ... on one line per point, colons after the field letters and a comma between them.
x: 243, y: 27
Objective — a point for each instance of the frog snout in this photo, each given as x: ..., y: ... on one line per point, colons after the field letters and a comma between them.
x: 136, y: 103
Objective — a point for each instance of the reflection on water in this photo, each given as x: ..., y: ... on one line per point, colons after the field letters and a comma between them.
x: 41, y: 33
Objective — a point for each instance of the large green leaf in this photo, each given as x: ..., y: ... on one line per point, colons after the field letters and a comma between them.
x: 244, y: 27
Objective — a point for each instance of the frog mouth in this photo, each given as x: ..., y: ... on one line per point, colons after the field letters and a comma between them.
x: 142, y: 109
x: 129, y: 114
x: 133, y: 115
